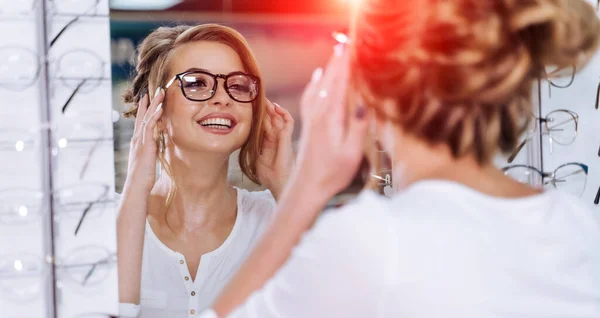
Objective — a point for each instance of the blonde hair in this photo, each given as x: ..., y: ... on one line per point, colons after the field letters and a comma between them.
x: 152, y: 71
x: 461, y: 72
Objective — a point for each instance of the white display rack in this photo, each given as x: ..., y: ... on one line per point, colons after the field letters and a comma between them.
x: 57, y: 208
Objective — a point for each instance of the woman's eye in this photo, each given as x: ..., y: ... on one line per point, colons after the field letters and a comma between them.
x: 239, y: 87
x: 198, y: 83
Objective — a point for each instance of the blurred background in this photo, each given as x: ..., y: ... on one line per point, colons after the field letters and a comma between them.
x: 289, y: 39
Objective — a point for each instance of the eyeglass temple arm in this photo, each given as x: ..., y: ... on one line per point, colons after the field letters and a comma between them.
x: 89, y: 274
x: 598, y: 94
x: 89, y: 157
x: 63, y: 30
x: 517, y: 150
x: 88, y: 208
x: 171, y: 82
x: 91, y: 271
x: 64, y: 108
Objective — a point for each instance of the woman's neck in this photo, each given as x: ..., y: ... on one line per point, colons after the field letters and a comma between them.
x: 203, y: 197
x: 425, y: 162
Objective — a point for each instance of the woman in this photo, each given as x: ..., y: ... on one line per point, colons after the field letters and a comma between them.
x: 447, y: 84
x: 182, y: 235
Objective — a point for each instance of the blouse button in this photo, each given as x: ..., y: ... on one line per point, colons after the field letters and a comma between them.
x: 187, y: 278
x: 192, y: 312
x: 193, y: 293
x: 181, y: 262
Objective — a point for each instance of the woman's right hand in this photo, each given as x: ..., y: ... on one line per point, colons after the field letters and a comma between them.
x: 141, y: 170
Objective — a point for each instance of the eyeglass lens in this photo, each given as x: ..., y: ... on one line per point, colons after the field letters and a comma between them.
x: 19, y: 68
x: 562, y: 127
x: 201, y: 87
x: 570, y: 178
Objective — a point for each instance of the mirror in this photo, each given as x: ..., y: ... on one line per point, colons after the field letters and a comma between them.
x: 205, y: 87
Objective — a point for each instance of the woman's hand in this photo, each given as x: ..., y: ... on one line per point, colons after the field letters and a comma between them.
x: 141, y: 170
x: 133, y: 209
x: 276, y: 161
x: 333, y: 136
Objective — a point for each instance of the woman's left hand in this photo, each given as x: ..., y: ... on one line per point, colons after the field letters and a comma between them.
x: 276, y: 160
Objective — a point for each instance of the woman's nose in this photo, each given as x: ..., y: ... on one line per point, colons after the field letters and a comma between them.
x: 221, y: 98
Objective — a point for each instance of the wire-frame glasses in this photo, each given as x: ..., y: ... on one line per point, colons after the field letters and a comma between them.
x: 559, y: 77
x: 77, y: 202
x: 86, y: 138
x: 561, y: 126
x: 81, y: 70
x: 83, y: 268
x: 569, y: 177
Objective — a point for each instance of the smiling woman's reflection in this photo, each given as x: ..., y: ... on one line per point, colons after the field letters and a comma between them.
x: 181, y: 235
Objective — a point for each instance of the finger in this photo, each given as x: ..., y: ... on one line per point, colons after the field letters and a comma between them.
x: 339, y: 110
x: 150, y: 124
x: 141, y: 111
x: 308, y: 94
x: 337, y: 87
x: 286, y: 117
x: 270, y: 108
x: 268, y: 126
x: 155, y: 104
x: 328, y: 87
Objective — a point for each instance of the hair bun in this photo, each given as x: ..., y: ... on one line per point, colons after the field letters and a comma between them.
x: 560, y: 33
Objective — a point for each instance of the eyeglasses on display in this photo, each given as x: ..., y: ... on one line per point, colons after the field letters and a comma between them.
x: 55, y: 7
x: 22, y: 275
x: 569, y: 177
x: 79, y: 201
x: 79, y: 69
x: 561, y: 127
x: 559, y: 77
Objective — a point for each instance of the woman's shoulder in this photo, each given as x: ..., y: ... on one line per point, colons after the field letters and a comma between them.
x: 367, y: 206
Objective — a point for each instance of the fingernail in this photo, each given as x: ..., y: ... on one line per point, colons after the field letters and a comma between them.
x: 159, y: 107
x: 157, y: 91
x: 276, y: 105
x: 317, y: 74
x: 360, y: 112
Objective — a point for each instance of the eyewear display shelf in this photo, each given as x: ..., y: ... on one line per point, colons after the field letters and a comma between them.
x: 57, y: 198
x: 562, y: 148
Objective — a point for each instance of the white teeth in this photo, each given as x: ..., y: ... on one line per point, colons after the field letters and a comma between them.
x: 217, y: 123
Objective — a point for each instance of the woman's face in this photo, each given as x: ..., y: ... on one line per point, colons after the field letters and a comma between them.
x: 218, y: 125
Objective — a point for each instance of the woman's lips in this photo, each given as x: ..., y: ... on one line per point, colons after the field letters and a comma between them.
x: 218, y: 123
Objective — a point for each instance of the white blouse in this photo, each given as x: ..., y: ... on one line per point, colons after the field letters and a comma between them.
x: 167, y: 289
x: 440, y: 249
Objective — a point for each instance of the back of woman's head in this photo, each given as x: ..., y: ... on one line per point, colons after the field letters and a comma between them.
x: 461, y: 72
x: 152, y: 71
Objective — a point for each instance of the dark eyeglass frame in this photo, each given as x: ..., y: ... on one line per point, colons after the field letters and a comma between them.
x: 597, y: 94
x: 215, y: 77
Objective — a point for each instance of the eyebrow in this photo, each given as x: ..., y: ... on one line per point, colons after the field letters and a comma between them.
x: 197, y: 69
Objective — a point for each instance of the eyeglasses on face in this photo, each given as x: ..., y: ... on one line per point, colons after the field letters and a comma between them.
x: 199, y: 85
